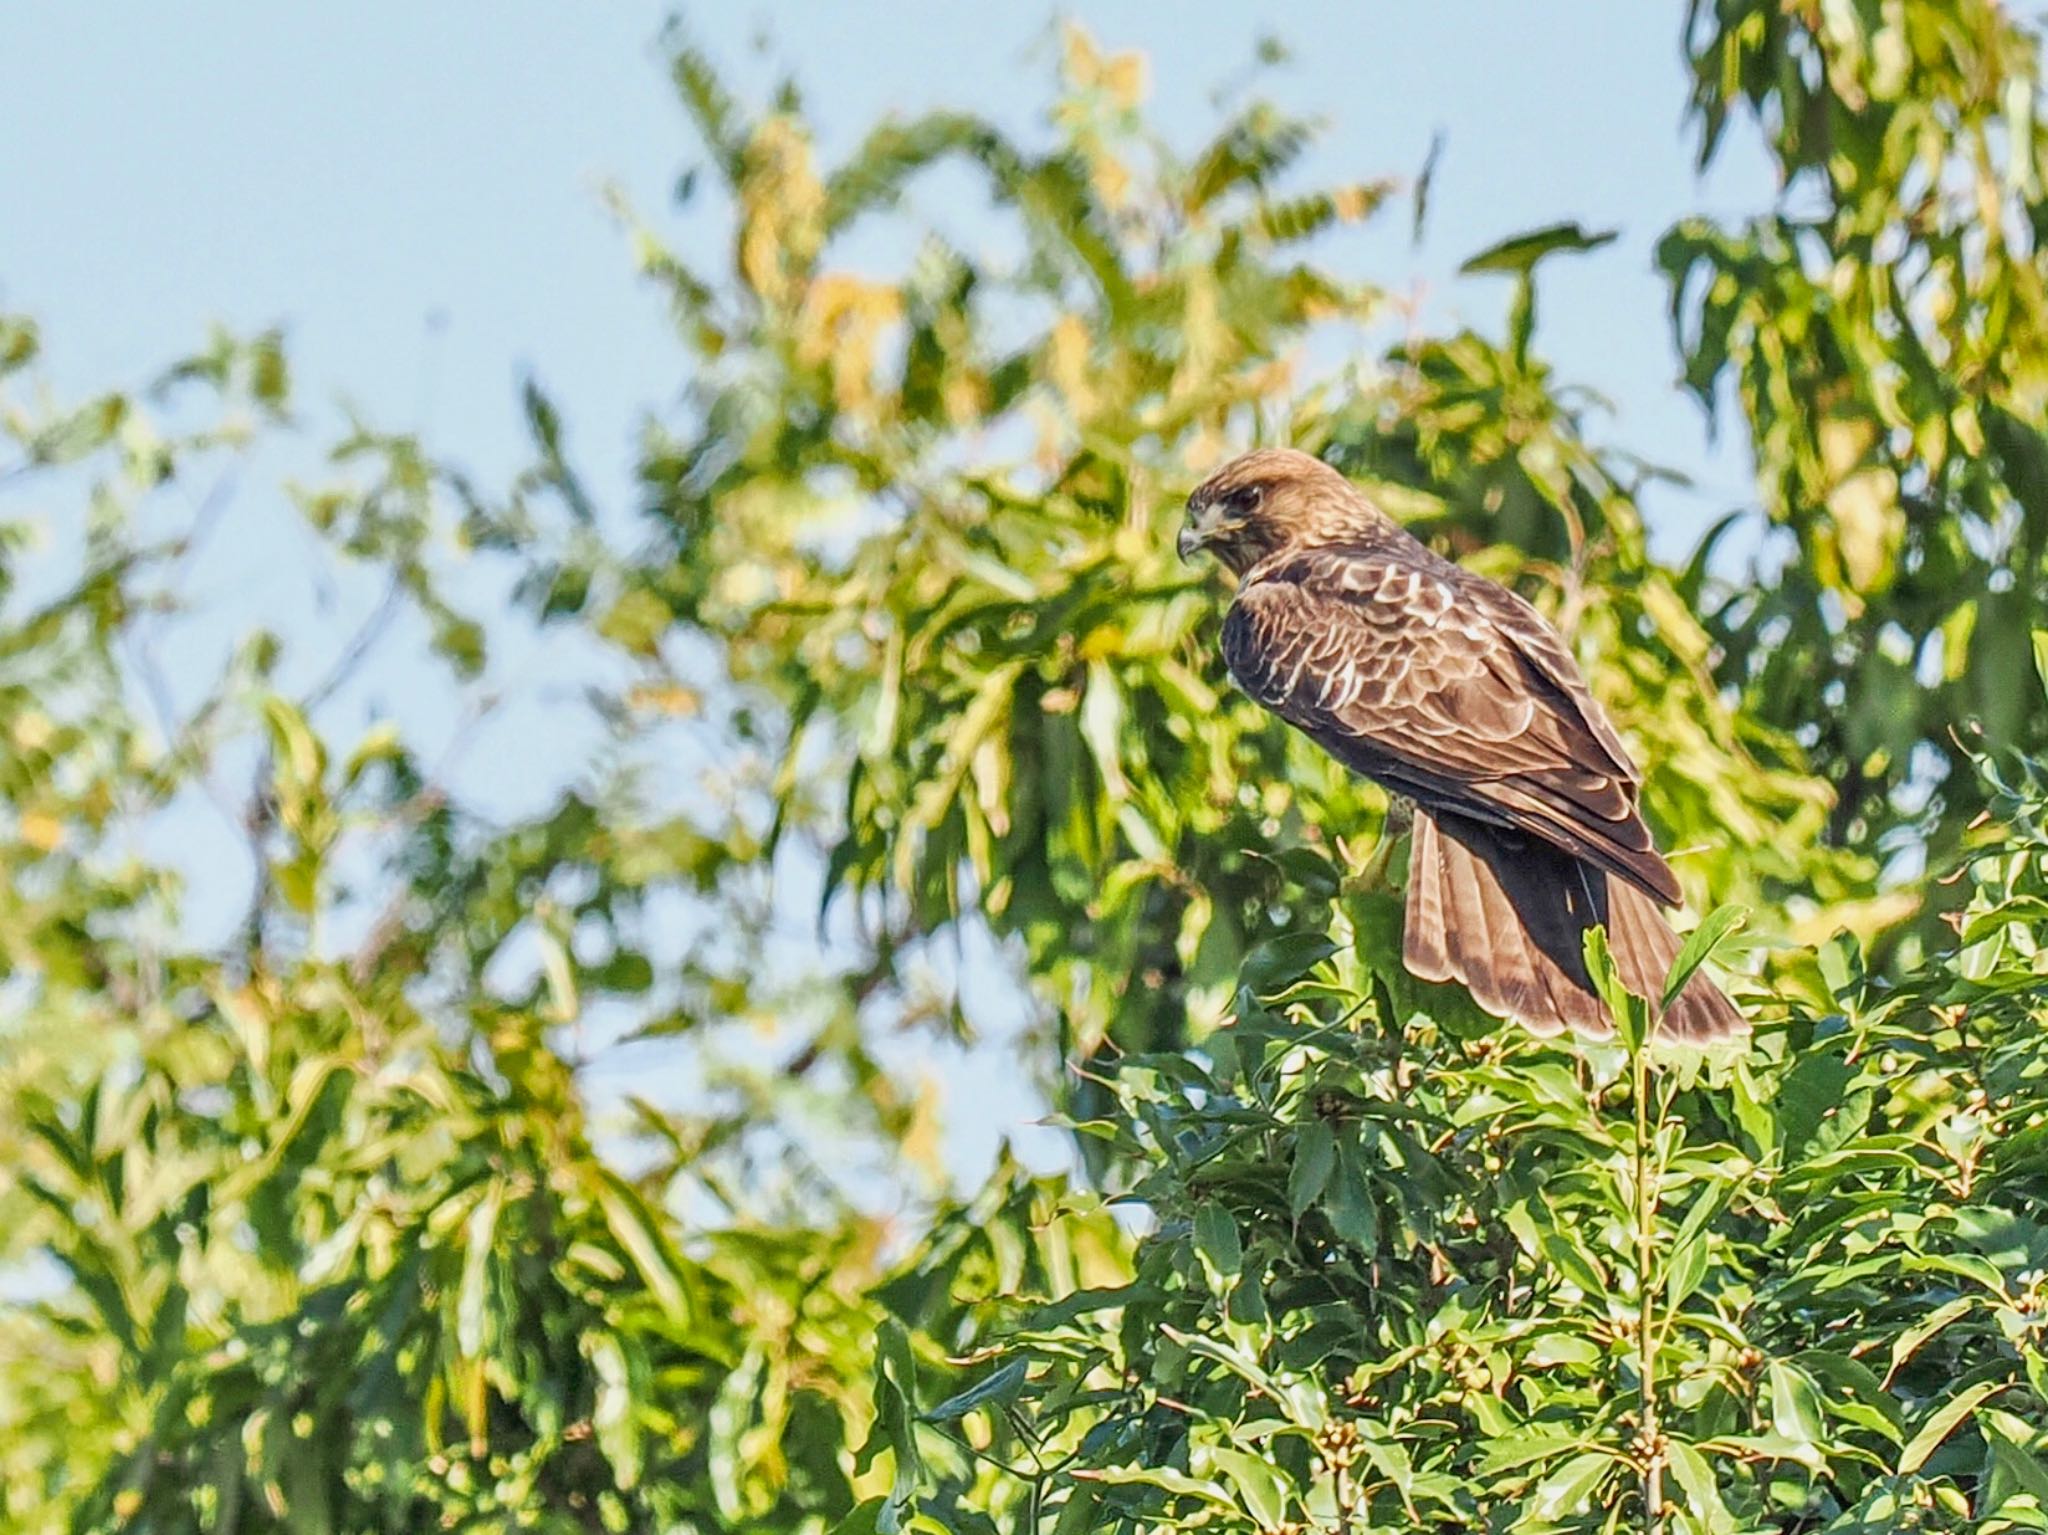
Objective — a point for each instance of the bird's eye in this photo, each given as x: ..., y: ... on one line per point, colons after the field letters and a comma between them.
x: 1249, y: 498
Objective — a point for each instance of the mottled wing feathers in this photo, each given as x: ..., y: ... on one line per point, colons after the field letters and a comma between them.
x: 1554, y: 669
x: 1455, y: 693
x: 1445, y: 688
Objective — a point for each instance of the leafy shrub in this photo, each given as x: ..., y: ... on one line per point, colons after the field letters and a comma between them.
x: 325, y: 1224
x: 1415, y: 1272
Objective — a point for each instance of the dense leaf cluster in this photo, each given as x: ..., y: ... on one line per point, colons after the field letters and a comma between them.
x: 349, y: 1213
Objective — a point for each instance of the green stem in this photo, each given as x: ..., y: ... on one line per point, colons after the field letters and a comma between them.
x: 1646, y: 1336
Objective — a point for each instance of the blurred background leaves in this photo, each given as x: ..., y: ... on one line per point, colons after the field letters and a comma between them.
x: 353, y: 1217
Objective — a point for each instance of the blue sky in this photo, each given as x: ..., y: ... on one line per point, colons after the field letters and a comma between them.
x: 411, y: 192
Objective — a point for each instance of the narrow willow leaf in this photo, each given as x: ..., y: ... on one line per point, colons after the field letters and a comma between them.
x: 1164, y: 1478
x: 1259, y: 1486
x: 472, y: 1301
x: 1631, y: 1014
x: 1353, y: 1216
x: 1302, y: 1402
x: 633, y: 1224
x: 618, y: 1436
x: 1519, y: 253
x: 1695, y: 1478
x: 865, y: 1518
x: 1699, y: 946
x: 1556, y: 1348
x: 2015, y: 1449
x: 1684, y: 1270
x: 1795, y: 1404
x: 1217, y: 1245
x: 1691, y: 1249
x: 1279, y: 962
x: 1526, y: 1450
x: 564, y: 1003
x: 1564, y: 1254
x: 1079, y: 1514
x: 998, y: 1387
x: 1943, y: 1423
x: 1315, y: 1156
x: 1571, y: 1486
x: 301, y: 758
x: 1908, y: 1342
x: 895, y: 1423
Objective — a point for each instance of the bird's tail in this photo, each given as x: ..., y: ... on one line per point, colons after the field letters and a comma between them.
x: 1507, y: 915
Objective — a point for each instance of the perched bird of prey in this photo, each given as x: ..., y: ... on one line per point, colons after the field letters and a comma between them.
x: 1453, y: 692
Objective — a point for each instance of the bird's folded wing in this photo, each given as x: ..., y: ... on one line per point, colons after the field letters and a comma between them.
x: 1442, y: 690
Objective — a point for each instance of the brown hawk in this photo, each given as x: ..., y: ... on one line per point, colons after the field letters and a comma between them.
x: 1454, y: 693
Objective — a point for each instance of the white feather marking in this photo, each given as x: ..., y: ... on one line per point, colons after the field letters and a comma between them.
x: 1294, y: 676
x: 1397, y: 585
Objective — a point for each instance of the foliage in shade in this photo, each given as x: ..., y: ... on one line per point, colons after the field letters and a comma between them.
x: 341, y: 1220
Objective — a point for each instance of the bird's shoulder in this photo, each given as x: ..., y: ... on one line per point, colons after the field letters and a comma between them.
x: 1406, y: 623
x: 1387, y: 595
x: 1390, y: 568
x: 1393, y: 582
x: 1360, y: 625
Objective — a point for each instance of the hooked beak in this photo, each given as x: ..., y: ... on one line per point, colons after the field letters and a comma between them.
x: 1205, y: 521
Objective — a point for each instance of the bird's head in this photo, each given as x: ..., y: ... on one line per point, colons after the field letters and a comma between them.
x: 1270, y: 500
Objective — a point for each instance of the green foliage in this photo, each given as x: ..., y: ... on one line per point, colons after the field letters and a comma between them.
x: 1883, y: 333
x: 1408, y: 1277
x: 1001, y: 670
x: 341, y: 1220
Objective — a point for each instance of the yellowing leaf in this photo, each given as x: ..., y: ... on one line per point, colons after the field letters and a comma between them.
x: 41, y: 831
x: 669, y: 698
